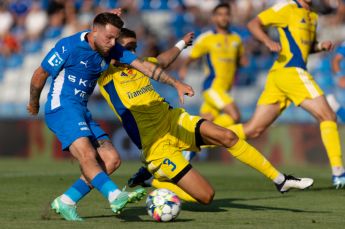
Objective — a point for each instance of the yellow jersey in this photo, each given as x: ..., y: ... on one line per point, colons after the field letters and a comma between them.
x: 221, y: 54
x: 139, y: 107
x: 297, y: 31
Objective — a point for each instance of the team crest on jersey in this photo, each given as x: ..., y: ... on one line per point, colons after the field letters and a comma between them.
x: 55, y: 60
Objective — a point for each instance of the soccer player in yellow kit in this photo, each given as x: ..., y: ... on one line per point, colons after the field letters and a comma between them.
x: 162, y: 132
x: 288, y: 80
x: 222, y: 52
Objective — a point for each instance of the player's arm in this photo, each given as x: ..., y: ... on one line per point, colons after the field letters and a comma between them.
x: 185, y: 66
x: 243, y: 59
x: 256, y: 27
x: 169, y: 56
x: 336, y: 63
x: 157, y: 73
x: 38, y: 81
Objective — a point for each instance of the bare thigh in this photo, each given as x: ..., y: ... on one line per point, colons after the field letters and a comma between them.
x: 263, y: 117
x: 319, y: 108
x: 197, y: 186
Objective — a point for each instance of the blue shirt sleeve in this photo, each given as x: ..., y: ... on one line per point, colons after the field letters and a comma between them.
x: 55, y: 60
x: 341, y: 49
x: 121, y: 54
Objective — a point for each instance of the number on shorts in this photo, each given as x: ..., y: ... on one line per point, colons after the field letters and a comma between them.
x: 168, y: 162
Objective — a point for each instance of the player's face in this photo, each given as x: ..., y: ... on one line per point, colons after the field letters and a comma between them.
x: 221, y: 18
x: 129, y: 43
x: 105, y: 38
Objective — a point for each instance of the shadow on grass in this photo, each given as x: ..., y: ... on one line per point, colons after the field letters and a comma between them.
x: 133, y: 214
x: 221, y: 205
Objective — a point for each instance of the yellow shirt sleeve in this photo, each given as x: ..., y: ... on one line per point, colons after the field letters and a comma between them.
x: 277, y: 16
x: 199, y: 48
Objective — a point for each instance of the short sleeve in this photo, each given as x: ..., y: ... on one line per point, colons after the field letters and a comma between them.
x: 123, y: 55
x: 199, y: 48
x: 278, y: 15
x: 55, y: 60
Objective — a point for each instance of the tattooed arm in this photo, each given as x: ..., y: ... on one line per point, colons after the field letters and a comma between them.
x: 157, y: 73
x: 38, y: 81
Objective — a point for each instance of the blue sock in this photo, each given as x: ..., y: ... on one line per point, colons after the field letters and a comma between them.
x: 78, y: 190
x: 341, y: 113
x: 105, y: 185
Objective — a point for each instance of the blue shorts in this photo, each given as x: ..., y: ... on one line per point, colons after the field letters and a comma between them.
x: 69, y: 124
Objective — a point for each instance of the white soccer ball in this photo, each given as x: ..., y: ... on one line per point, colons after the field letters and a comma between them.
x: 163, y: 205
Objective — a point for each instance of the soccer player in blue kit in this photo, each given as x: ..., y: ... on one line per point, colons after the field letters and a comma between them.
x: 75, y: 63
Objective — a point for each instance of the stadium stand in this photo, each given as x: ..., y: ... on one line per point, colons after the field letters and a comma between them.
x: 29, y: 28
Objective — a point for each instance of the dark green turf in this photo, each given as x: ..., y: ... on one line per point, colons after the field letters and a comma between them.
x: 244, y: 199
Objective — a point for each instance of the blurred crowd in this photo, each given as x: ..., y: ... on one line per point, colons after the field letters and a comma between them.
x: 25, y: 25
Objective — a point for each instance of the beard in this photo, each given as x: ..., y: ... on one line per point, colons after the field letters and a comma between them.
x: 101, y: 50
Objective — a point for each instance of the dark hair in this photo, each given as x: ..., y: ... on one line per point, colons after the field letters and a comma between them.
x: 108, y: 18
x: 221, y: 5
x: 127, y: 33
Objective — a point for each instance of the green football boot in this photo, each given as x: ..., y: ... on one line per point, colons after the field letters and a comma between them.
x: 126, y: 197
x: 68, y: 212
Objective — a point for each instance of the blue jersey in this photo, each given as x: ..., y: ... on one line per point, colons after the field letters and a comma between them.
x: 341, y: 49
x: 75, y: 68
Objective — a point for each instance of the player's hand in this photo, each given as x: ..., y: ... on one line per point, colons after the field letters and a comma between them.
x: 33, y: 109
x: 273, y: 46
x: 188, y: 38
x: 117, y: 11
x: 183, y: 89
x: 327, y: 46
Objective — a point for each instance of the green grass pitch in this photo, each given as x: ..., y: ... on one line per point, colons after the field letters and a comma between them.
x: 244, y: 199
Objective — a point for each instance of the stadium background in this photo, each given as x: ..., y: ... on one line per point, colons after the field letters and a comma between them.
x: 28, y: 29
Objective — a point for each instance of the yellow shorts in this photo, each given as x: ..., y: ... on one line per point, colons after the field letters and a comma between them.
x: 164, y: 157
x: 215, y: 101
x: 289, y: 84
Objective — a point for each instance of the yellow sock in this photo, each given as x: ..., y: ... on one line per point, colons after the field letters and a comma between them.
x: 176, y: 189
x: 224, y: 120
x: 330, y: 138
x: 238, y: 130
x: 250, y: 156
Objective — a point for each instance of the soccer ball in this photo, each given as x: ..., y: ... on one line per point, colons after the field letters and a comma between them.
x: 163, y: 205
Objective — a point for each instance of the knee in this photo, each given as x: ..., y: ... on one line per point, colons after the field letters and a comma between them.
x: 236, y: 118
x: 255, y: 132
x: 207, y: 116
x: 228, y: 138
x: 207, y: 197
x: 327, y: 116
x: 112, y: 163
x: 87, y: 156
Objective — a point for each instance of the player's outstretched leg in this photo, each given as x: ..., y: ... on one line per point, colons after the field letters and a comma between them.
x: 240, y: 149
